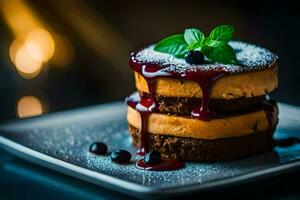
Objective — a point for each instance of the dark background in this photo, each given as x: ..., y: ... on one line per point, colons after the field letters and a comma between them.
x: 103, y: 33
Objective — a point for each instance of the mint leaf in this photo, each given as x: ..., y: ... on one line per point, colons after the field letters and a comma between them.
x: 222, y: 53
x: 174, y: 44
x: 222, y: 33
x: 212, y: 43
x: 193, y: 36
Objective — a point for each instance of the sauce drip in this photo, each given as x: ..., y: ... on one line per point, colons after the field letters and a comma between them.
x: 163, y: 165
x: 206, y: 81
x: 145, y: 105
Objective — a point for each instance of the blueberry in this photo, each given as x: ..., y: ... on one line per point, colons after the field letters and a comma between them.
x: 194, y: 57
x: 98, y: 148
x: 120, y: 156
x: 152, y: 158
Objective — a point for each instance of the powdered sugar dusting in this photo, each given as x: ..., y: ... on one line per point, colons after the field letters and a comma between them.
x: 250, y: 58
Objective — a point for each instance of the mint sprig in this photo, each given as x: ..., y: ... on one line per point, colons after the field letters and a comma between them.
x: 215, y: 47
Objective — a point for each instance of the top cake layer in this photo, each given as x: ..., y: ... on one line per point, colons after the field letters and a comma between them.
x: 250, y: 58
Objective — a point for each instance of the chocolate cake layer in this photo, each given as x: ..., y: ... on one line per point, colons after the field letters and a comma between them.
x: 185, y: 105
x: 206, y: 150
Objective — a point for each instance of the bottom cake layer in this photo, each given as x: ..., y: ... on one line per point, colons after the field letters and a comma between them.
x: 206, y: 150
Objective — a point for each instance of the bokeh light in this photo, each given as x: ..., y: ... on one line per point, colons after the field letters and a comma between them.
x: 30, y: 52
x: 40, y: 45
x: 33, y: 45
x: 29, y: 106
x: 27, y: 66
x: 14, y: 47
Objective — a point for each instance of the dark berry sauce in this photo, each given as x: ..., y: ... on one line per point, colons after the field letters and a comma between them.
x: 144, y: 105
x: 163, y: 165
x: 206, y: 81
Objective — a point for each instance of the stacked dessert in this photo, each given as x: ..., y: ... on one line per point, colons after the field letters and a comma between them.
x: 203, y: 98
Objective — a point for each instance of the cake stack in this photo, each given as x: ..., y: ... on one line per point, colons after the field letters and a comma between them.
x: 206, y: 112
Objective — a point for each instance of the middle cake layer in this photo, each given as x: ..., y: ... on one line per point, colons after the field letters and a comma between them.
x: 225, y: 127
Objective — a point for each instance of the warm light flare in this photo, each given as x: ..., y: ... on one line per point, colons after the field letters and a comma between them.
x: 34, y: 45
x: 40, y: 44
x: 19, y: 16
x: 31, y: 51
x: 27, y: 66
x: 14, y: 47
x: 29, y: 106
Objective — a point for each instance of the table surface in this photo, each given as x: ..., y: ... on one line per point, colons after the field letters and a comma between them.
x: 22, y: 180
